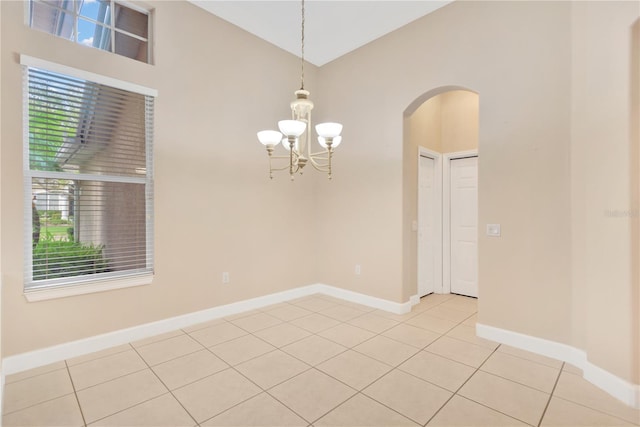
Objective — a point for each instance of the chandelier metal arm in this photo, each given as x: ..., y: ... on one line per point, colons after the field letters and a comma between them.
x: 300, y: 127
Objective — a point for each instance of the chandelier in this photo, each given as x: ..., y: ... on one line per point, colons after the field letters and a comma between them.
x: 295, y: 134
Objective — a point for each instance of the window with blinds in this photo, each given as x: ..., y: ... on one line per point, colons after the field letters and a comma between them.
x: 88, y: 180
x: 104, y: 24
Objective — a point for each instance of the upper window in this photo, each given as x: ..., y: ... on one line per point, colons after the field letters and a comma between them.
x: 88, y: 178
x: 105, y: 24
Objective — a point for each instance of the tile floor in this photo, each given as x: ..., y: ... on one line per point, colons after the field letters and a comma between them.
x: 315, y: 361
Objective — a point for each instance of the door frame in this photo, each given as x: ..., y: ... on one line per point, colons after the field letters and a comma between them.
x: 437, y: 157
x: 446, y: 213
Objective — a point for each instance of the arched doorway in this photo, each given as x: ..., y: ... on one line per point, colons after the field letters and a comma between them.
x: 441, y: 140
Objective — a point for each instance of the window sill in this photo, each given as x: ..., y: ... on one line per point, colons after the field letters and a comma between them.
x: 87, y: 288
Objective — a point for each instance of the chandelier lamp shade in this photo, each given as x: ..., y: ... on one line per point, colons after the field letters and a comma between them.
x: 295, y: 134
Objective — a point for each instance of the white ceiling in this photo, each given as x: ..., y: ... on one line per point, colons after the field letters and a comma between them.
x: 332, y: 27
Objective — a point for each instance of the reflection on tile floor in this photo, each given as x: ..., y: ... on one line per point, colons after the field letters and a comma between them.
x: 315, y: 361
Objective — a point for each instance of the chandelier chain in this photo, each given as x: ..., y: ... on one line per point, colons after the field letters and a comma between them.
x: 302, y: 51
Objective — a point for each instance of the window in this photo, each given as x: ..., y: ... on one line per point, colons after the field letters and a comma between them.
x: 88, y: 177
x: 105, y: 24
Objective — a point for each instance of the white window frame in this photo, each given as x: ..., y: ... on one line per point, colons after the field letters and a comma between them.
x: 112, y: 28
x: 81, y: 284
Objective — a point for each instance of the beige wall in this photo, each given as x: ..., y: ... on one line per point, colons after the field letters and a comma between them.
x: 524, y: 121
x: 216, y: 209
x: 1, y: 273
x: 604, y: 182
x: 527, y: 143
x: 547, y: 105
x: 446, y: 123
x: 425, y: 125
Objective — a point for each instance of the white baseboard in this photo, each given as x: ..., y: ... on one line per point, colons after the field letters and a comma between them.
x: 617, y: 387
x: 414, y: 300
x: 369, y: 301
x: 45, y: 356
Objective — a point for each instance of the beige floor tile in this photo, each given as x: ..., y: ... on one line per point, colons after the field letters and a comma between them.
x: 449, y: 314
x: 331, y: 298
x: 461, y: 412
x: 259, y: 411
x: 412, y: 335
x: 287, y: 312
x: 460, y: 351
x: 241, y: 314
x: 471, y: 321
x: 431, y: 301
x: 354, y: 369
x: 217, y: 334
x: 438, y: 370
x: 34, y: 390
x: 272, y: 368
x: 568, y: 414
x: 513, y: 399
x: 576, y: 389
x: 543, y: 360
x: 312, y: 394
x: 361, y: 307
x: 313, y: 349
x: 395, y: 316
x: 373, y: 323
x: 157, y: 338
x: 412, y: 397
x: 162, y: 411
x: 241, y: 349
x: 163, y: 351
x: 362, y: 411
x: 106, y: 368
x: 567, y: 367
x: 466, y: 304
x: 35, y: 372
x: 256, y: 322
x: 315, y: 322
x: 282, y: 334
x: 189, y: 368
x: 522, y: 371
x: 62, y: 411
x: 214, y: 394
x: 113, y: 396
x: 386, y: 350
x: 98, y: 354
x: 468, y: 333
x: 347, y: 335
x: 203, y: 325
x: 435, y: 324
x: 342, y: 313
x: 313, y: 303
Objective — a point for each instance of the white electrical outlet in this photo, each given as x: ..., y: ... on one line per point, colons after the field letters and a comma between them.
x: 225, y: 277
x: 493, y: 230
x: 358, y: 270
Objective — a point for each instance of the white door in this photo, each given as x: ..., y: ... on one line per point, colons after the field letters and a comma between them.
x: 464, y: 226
x: 428, y: 244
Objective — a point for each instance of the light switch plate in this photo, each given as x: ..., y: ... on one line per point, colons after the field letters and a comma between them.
x: 493, y: 230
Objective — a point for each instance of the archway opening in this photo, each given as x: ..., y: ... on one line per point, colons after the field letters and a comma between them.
x: 440, y: 128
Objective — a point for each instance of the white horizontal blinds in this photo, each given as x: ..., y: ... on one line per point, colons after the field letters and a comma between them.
x: 78, y: 125
x: 91, y: 185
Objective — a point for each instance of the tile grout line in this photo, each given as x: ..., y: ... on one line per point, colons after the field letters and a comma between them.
x: 75, y: 393
x: 165, y: 386
x: 315, y: 367
x: 544, y: 411
x: 455, y: 393
x: 479, y: 369
x: 347, y: 348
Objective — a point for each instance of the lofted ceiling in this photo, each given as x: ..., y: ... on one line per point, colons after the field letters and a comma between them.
x: 332, y: 27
